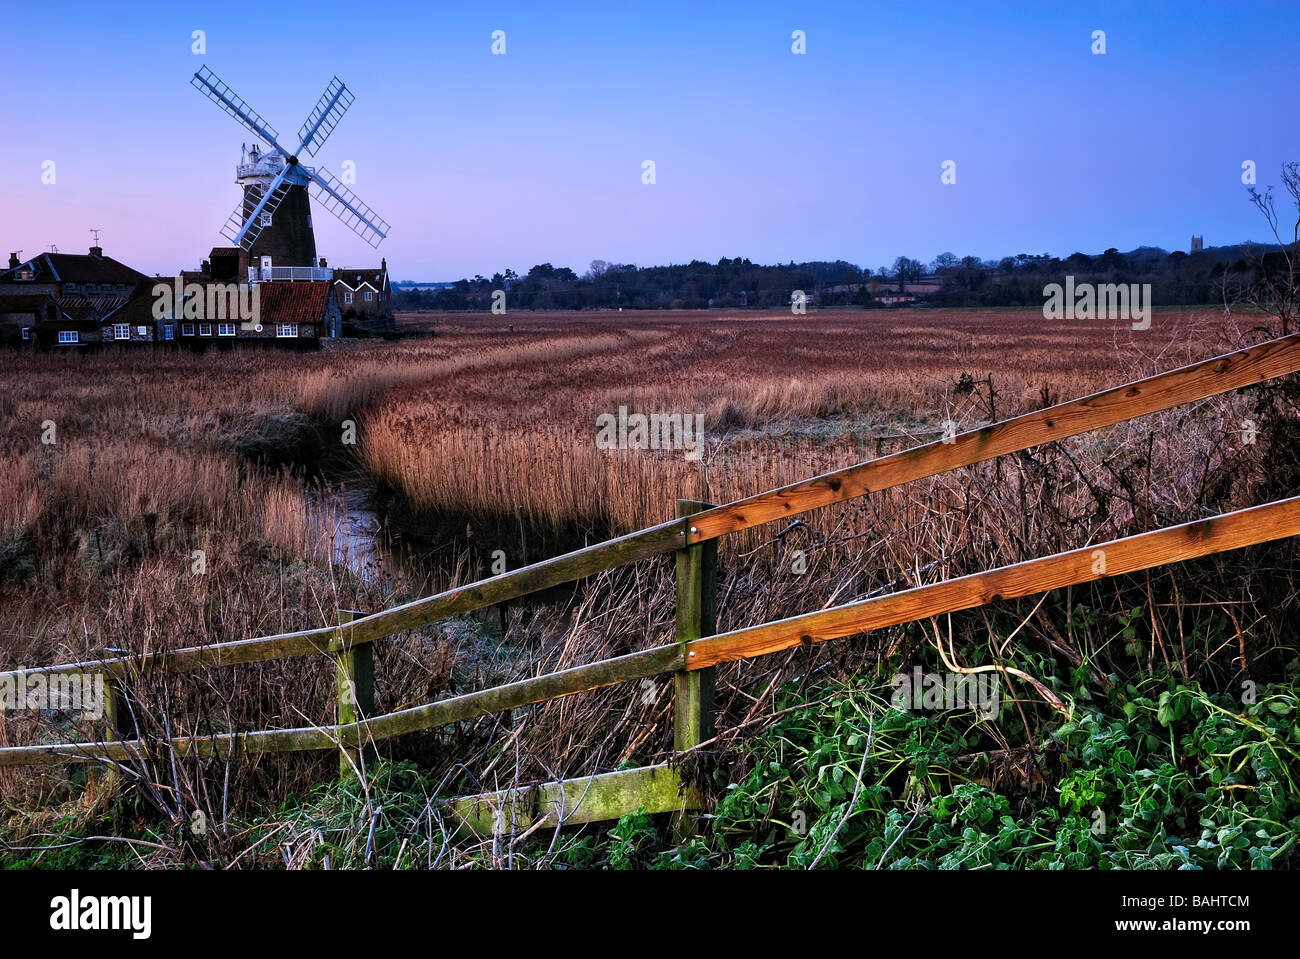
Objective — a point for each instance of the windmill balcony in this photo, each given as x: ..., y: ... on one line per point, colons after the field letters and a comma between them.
x: 266, y: 165
x: 260, y: 274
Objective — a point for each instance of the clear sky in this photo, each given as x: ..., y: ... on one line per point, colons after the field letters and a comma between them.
x: 482, y: 162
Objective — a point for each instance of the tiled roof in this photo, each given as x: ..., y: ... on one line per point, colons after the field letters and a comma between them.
x: 101, y: 303
x: 351, y: 278
x: 282, y: 301
x: 138, y: 310
x: 76, y: 268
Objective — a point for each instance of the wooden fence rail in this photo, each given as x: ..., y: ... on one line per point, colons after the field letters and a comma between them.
x: 1245, y: 527
x: 694, y: 652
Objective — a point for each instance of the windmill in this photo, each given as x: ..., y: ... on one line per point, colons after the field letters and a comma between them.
x: 273, y: 220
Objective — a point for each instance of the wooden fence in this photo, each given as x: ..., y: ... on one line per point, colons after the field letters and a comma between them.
x: 692, y: 536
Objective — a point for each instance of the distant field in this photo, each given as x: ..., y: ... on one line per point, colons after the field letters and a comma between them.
x: 869, y: 352
x: 518, y: 431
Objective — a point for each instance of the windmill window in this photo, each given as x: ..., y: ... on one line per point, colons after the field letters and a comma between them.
x: 187, y: 329
x: 266, y: 218
x: 225, y: 329
x: 68, y: 336
x: 121, y: 331
x: 205, y: 329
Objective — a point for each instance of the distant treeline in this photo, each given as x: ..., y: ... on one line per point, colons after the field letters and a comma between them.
x: 1176, y: 279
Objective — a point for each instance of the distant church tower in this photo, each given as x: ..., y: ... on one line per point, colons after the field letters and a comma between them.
x: 288, y: 238
x: 1198, y: 244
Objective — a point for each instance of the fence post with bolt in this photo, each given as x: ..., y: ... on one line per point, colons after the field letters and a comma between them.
x: 355, y: 672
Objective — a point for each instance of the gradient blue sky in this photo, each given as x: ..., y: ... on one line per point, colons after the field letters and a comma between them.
x: 483, y: 162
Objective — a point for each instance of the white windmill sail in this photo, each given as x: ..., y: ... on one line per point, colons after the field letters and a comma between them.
x: 247, y: 222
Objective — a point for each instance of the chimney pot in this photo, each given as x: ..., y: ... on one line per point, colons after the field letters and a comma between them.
x: 97, y: 252
x: 14, y: 261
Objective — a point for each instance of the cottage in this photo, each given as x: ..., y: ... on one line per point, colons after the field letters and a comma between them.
x: 85, y: 289
x: 219, y: 304
x: 364, y: 298
x: 301, y: 310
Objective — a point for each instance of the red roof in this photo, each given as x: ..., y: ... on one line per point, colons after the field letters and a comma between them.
x: 282, y: 301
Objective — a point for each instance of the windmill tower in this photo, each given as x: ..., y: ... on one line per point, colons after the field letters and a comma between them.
x: 285, y: 234
x: 272, y: 224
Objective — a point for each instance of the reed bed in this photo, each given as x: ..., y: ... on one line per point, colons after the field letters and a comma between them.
x: 782, y: 399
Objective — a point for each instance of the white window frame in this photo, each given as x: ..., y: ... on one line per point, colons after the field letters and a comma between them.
x: 187, y: 329
x: 169, y: 331
x: 286, y: 331
x: 27, y: 332
x: 347, y: 298
x: 266, y: 218
x: 121, y: 331
x: 225, y: 329
x: 205, y: 329
x: 369, y: 296
x: 69, y: 336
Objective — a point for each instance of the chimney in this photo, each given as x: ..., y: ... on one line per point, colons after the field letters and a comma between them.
x: 383, y: 263
x: 97, y: 252
x: 323, y: 264
x: 13, y: 260
x: 206, y: 267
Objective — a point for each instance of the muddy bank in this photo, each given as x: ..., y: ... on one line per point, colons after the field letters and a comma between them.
x: 292, y: 441
x: 479, y: 543
x: 377, y: 533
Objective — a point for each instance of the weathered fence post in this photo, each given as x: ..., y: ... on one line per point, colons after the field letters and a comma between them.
x: 697, y: 589
x: 355, y: 672
x: 112, y: 719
